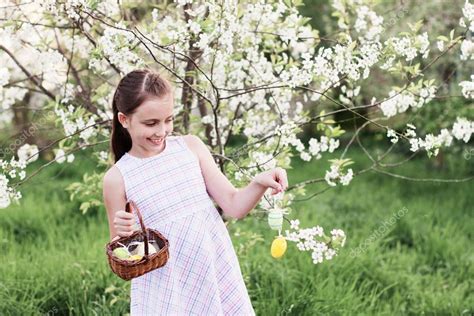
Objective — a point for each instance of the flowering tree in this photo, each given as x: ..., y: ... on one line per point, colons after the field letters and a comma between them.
x: 251, y: 71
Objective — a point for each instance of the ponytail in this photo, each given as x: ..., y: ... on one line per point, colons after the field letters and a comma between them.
x: 121, y: 142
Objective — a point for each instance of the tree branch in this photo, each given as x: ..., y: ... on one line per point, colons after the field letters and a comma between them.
x: 32, y: 78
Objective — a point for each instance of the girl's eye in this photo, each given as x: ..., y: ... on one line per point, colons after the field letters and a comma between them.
x: 152, y: 124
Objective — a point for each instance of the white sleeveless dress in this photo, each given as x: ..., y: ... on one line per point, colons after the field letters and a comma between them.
x: 202, y: 275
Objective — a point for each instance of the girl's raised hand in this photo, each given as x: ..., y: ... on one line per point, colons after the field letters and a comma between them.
x: 124, y: 223
x: 274, y: 178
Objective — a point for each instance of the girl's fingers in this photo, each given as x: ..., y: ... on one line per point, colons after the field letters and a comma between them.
x: 124, y: 234
x: 283, y: 180
x: 124, y: 222
x: 124, y: 215
x: 125, y: 227
x: 276, y: 186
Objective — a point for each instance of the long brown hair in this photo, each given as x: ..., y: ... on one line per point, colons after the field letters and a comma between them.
x: 133, y: 89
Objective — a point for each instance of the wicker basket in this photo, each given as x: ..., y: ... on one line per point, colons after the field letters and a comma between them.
x: 128, y: 270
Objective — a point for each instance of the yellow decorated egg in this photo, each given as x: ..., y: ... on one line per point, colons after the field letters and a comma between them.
x: 121, y: 253
x: 135, y: 258
x: 278, y: 247
x: 275, y: 220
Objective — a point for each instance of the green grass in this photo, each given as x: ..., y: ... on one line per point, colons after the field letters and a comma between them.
x: 53, y: 258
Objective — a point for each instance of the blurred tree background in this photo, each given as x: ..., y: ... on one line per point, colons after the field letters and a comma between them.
x: 437, y: 17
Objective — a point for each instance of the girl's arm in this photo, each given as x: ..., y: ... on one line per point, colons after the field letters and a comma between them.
x: 236, y: 203
x: 121, y: 223
x: 245, y: 199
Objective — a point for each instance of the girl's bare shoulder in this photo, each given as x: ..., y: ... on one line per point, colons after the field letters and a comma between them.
x: 113, y: 179
x: 194, y: 143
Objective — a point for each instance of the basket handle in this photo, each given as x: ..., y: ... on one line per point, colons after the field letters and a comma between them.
x: 128, y: 208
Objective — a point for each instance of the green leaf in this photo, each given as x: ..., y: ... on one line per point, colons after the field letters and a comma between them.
x: 298, y: 3
x: 347, y: 163
x: 84, y: 207
x: 165, y: 40
x: 443, y: 38
x: 93, y: 4
x: 110, y: 289
x: 416, y: 27
x: 341, y: 162
x: 114, y: 300
x: 305, y: 20
x: 337, y: 131
x: 352, y: 46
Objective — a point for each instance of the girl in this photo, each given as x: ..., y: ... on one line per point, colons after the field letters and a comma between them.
x: 172, y: 180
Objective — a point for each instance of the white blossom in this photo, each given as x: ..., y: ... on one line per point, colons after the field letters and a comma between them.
x: 103, y: 156
x: 60, y: 156
x: 463, y: 129
x: 28, y: 153
x: 314, y: 240
x: 70, y: 158
x: 468, y: 12
x: 203, y: 41
x: 392, y: 135
x: 4, y: 76
x: 440, y: 45
x: 399, y: 102
x: 305, y: 156
x: 295, y: 224
x: 368, y: 22
x: 331, y: 175
x: 467, y: 50
x: 324, y: 144
x: 4, y: 192
x: 194, y: 27
x: 335, y: 174
x: 329, y: 254
x: 115, y: 44
x: 468, y: 88
x: 346, y: 178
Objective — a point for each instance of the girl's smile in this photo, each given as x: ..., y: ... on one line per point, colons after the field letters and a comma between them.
x: 156, y: 141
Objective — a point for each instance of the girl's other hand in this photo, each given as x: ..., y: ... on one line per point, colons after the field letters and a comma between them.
x: 274, y: 178
x: 124, y: 223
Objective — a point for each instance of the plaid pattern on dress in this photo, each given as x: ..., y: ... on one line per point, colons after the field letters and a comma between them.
x: 202, y: 275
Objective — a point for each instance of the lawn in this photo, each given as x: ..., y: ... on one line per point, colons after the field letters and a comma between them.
x: 53, y: 259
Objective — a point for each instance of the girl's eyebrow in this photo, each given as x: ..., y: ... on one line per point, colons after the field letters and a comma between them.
x: 157, y: 119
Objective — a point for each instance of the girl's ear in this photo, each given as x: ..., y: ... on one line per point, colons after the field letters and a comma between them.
x: 122, y: 119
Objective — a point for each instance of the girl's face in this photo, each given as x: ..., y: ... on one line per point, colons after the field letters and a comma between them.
x: 150, y: 124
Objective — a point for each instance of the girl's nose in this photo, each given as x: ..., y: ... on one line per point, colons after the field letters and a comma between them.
x: 160, y: 130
